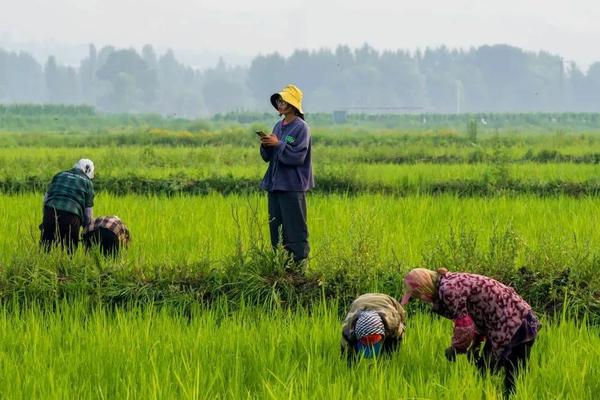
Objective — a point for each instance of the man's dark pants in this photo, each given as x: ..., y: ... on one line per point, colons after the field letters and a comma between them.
x: 60, y: 227
x: 287, y: 210
x: 104, y: 238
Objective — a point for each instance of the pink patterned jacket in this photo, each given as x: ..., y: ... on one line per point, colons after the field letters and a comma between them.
x: 480, y: 307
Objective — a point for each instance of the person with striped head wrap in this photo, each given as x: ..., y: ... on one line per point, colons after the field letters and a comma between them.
x: 373, y: 326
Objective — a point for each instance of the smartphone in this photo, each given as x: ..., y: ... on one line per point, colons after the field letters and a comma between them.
x: 261, y: 133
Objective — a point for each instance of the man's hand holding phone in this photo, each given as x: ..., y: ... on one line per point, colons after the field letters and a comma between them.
x: 267, y: 139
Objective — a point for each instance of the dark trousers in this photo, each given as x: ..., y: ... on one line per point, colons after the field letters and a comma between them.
x: 104, y: 238
x: 512, y: 365
x: 287, y: 213
x: 59, y: 227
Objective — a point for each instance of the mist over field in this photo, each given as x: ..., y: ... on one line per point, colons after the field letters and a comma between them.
x: 199, y: 58
x: 496, y: 78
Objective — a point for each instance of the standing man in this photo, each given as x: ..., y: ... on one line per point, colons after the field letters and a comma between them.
x: 68, y: 204
x: 109, y: 233
x: 289, y: 176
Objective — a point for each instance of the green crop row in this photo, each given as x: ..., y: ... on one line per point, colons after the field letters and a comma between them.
x: 131, y: 131
x: 190, y: 249
x: 165, y: 156
x: 124, y: 171
x: 227, y: 185
x: 58, y: 117
x: 75, y: 352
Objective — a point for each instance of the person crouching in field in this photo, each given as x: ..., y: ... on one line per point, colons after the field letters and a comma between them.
x: 68, y: 204
x: 373, y: 326
x: 109, y: 233
x: 483, y: 310
x: 289, y: 175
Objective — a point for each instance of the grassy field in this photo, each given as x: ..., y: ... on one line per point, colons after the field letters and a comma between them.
x: 200, y: 306
x: 170, y: 231
x: 546, y: 247
x: 165, y: 162
x: 353, y: 160
x: 227, y: 169
x: 263, y: 354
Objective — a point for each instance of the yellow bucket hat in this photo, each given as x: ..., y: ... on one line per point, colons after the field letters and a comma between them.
x: 291, y: 94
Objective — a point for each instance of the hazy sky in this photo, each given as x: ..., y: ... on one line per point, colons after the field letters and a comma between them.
x: 247, y: 27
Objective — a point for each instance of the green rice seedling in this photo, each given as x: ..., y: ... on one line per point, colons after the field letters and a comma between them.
x: 187, y: 248
x: 260, y: 353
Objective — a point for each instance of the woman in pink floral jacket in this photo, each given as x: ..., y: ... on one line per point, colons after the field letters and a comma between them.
x: 483, y: 310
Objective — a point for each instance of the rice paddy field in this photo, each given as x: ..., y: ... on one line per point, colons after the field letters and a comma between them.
x: 199, y: 306
x: 260, y: 353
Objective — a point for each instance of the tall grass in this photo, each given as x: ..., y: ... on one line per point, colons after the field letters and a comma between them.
x: 238, y: 170
x: 206, y: 246
x: 199, y: 306
x: 163, y: 162
x: 190, y: 228
x: 73, y: 352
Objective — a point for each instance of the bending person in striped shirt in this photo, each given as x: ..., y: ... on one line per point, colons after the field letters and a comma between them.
x: 109, y: 233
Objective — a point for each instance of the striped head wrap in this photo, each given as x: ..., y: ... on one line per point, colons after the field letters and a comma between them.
x: 368, y: 323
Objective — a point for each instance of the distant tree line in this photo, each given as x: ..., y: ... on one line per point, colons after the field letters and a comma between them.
x: 496, y: 78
